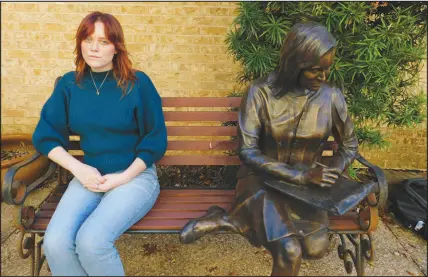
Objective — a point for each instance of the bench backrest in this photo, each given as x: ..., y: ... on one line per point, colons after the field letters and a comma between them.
x: 204, y: 125
x: 200, y: 131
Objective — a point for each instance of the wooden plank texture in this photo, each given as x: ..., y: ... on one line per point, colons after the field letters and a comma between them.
x: 200, y: 116
x: 201, y: 101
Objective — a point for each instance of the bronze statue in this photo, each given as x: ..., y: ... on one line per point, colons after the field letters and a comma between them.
x: 284, y: 120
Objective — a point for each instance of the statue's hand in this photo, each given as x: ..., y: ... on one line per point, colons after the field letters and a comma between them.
x: 320, y: 176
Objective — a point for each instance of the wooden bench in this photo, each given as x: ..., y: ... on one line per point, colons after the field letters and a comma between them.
x: 205, y: 144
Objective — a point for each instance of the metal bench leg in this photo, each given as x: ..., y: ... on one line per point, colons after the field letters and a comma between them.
x: 26, y: 248
x: 40, y: 258
x: 360, y: 258
x: 363, y: 251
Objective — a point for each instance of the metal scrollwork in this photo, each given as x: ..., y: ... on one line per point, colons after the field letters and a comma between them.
x: 345, y: 254
x: 24, y: 216
x: 25, y: 245
x: 363, y: 250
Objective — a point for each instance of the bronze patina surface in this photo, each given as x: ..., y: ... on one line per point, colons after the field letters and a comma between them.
x: 284, y: 121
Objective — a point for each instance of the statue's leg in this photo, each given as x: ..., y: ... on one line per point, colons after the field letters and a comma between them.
x: 287, y: 256
x: 216, y: 219
x: 316, y: 245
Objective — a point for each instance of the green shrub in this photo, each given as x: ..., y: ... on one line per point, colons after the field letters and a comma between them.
x: 381, y: 47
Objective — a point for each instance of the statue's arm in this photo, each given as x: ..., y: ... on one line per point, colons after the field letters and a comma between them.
x: 343, y: 132
x: 250, y: 121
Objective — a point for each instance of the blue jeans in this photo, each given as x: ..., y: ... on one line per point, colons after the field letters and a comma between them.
x: 79, y: 240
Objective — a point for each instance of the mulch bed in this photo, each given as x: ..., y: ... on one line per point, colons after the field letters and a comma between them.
x: 198, y: 176
x: 7, y: 155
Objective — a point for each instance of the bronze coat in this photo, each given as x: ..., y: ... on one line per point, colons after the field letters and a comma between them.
x: 280, y: 137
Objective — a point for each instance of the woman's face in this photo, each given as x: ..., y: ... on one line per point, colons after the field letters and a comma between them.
x: 97, y: 50
x: 311, y: 78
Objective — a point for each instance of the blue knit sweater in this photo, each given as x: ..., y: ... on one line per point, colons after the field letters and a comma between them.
x: 113, y: 131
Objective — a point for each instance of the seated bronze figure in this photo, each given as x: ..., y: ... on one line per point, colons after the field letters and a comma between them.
x: 284, y: 120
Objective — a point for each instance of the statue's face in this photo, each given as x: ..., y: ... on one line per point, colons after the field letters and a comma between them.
x: 311, y: 78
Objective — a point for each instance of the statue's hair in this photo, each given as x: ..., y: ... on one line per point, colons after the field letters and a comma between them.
x: 303, y: 47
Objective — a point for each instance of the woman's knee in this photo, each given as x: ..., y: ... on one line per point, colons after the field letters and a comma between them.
x: 91, y: 242
x: 56, y: 243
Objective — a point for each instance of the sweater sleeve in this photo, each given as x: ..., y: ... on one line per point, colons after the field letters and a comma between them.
x: 52, y: 129
x: 151, y: 123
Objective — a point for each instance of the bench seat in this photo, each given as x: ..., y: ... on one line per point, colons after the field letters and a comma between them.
x: 175, y: 207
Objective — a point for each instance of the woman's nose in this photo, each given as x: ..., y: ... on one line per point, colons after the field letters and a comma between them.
x: 94, y: 46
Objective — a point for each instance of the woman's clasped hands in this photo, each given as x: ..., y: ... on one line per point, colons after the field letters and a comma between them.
x: 92, y: 179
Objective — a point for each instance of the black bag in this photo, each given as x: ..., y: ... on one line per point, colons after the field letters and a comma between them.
x: 409, y: 205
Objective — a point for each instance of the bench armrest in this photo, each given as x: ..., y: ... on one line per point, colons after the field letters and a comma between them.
x: 379, y: 177
x: 37, y: 168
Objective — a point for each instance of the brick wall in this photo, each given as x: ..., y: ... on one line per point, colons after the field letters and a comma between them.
x: 180, y: 45
x: 408, y: 148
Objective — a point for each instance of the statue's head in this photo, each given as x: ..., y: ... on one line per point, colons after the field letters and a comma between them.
x: 306, y: 55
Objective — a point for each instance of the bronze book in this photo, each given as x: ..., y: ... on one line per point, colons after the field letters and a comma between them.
x: 340, y: 198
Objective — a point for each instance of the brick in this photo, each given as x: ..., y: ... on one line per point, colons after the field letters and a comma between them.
x: 200, y: 20
x: 26, y: 121
x: 65, y: 54
x: 5, y: 6
x: 188, y: 11
x: 134, y: 9
x: 214, y: 31
x: 217, y: 11
x: 162, y: 10
x: 27, y: 7
x: 29, y: 26
x: 12, y: 112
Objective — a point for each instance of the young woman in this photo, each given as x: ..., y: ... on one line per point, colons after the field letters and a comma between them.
x: 117, y: 112
x: 284, y: 120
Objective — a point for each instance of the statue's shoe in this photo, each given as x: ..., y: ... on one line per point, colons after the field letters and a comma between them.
x: 197, y: 228
x: 188, y: 234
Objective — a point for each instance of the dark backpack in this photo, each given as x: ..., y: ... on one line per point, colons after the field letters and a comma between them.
x: 409, y: 205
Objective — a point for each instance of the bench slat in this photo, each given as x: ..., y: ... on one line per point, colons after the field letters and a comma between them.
x: 162, y: 206
x: 153, y: 214
x: 174, y: 199
x: 178, y: 224
x: 202, y: 145
x: 188, y: 145
x: 197, y: 131
x: 199, y: 160
x: 201, y: 101
x: 191, y: 160
x: 202, y: 130
x: 200, y: 116
x: 171, y: 192
x: 205, y: 145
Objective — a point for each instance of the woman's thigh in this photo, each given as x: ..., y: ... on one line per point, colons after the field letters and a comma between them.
x: 75, y: 206
x: 123, y: 206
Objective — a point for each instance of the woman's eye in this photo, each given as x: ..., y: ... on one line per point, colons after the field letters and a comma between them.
x: 104, y: 42
x: 88, y: 39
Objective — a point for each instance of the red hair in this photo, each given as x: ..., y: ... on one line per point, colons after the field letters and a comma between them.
x: 122, y: 65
